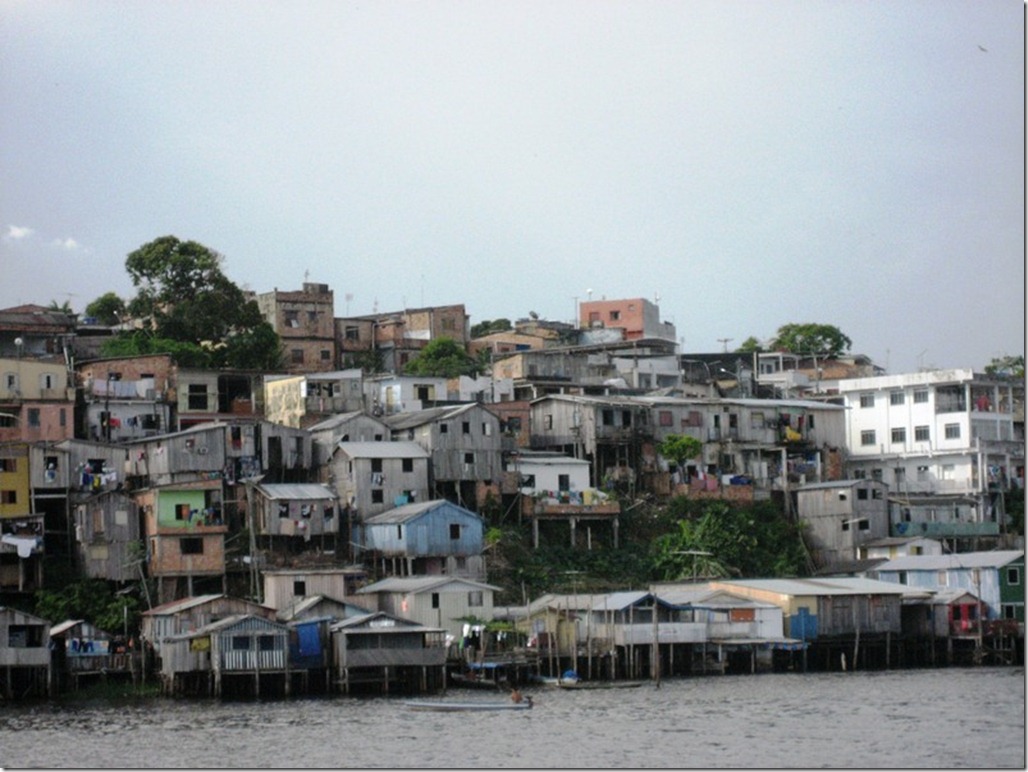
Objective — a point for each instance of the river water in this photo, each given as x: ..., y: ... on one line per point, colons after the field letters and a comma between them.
x: 953, y: 718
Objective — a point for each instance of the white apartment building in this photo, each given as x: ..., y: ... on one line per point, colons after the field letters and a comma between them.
x: 942, y: 433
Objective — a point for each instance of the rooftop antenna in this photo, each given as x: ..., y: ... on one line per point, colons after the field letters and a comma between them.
x: 725, y: 342
x: 349, y: 297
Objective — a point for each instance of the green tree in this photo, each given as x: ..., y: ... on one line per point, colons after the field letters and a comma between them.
x: 1008, y: 366
x: 107, y: 309
x: 443, y: 358
x: 64, y: 308
x: 183, y: 295
x: 679, y: 448
x: 749, y: 346
x: 487, y: 327
x: 91, y: 600
x: 824, y: 339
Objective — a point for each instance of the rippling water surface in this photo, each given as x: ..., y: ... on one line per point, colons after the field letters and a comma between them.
x: 954, y: 718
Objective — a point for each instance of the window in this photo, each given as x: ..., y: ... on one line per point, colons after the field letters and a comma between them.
x: 607, y: 418
x: 475, y: 598
x: 435, y: 600
x: 921, y: 434
x: 465, y: 427
x: 34, y: 416
x: 352, y: 332
x: 240, y: 643
x: 291, y: 318
x: 1013, y: 576
x: 376, y: 465
x: 867, y: 437
x: 197, y: 399
x: 326, y: 355
x: 266, y: 643
x: 615, y: 315
x: 899, y: 474
x: 952, y: 431
x: 377, y: 496
x: 1009, y: 611
x: 896, y: 398
x: 548, y: 421
x: 444, y: 428
x: 181, y: 511
x: 920, y: 396
x: 407, y: 464
x: 862, y: 494
x: 756, y: 420
x: 8, y: 465
x: 454, y: 530
x: 11, y: 381
x: 922, y: 474
x: 399, y: 532
x: 487, y: 429
x: 877, y: 474
x: 299, y: 587
x: 867, y: 400
x: 664, y: 418
x: 296, y: 356
x: 191, y: 546
x: 469, y: 458
x: 25, y: 636
x: 899, y: 435
x: 283, y: 510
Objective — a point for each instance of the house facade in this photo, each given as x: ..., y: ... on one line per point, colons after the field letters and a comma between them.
x: 371, y: 477
x: 426, y: 538
x: 948, y: 436
x: 841, y: 516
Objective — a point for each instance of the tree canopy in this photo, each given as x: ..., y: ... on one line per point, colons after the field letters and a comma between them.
x: 487, y: 327
x: 186, y: 306
x: 679, y: 448
x: 107, y: 309
x: 443, y: 358
x: 1007, y: 365
x: 810, y: 338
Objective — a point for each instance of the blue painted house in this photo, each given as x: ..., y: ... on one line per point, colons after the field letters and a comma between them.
x: 995, y: 576
x: 429, y: 538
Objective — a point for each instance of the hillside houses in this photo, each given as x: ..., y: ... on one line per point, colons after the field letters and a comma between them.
x: 185, y: 482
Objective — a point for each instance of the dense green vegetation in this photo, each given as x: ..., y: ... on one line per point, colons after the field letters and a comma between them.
x: 680, y: 539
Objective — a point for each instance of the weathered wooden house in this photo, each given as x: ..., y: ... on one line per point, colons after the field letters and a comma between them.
x: 465, y: 445
x: 434, y: 601
x: 25, y: 667
x: 108, y: 536
x: 371, y: 477
x: 996, y: 577
x: 289, y: 516
x: 241, y: 654
x: 555, y: 488
x: 190, y: 614
x: 84, y: 652
x: 842, y: 516
x: 283, y: 586
x: 356, y: 426
x: 387, y: 653
x: 426, y: 538
x: 848, y: 621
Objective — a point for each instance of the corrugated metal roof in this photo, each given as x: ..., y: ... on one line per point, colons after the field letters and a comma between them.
x: 405, y: 625
x: 405, y: 512
x: 175, y: 606
x: 397, y: 449
x: 992, y: 559
x: 417, y: 584
x: 297, y: 491
x: 849, y: 585
x: 64, y: 626
x: 421, y: 417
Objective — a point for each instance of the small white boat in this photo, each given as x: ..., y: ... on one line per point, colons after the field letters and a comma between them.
x: 525, y: 704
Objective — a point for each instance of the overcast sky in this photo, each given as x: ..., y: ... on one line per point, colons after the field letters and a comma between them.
x: 750, y: 164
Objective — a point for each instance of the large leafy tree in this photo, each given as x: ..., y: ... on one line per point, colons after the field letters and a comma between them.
x: 107, y: 309
x: 443, y: 358
x: 809, y: 338
x: 184, y: 296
